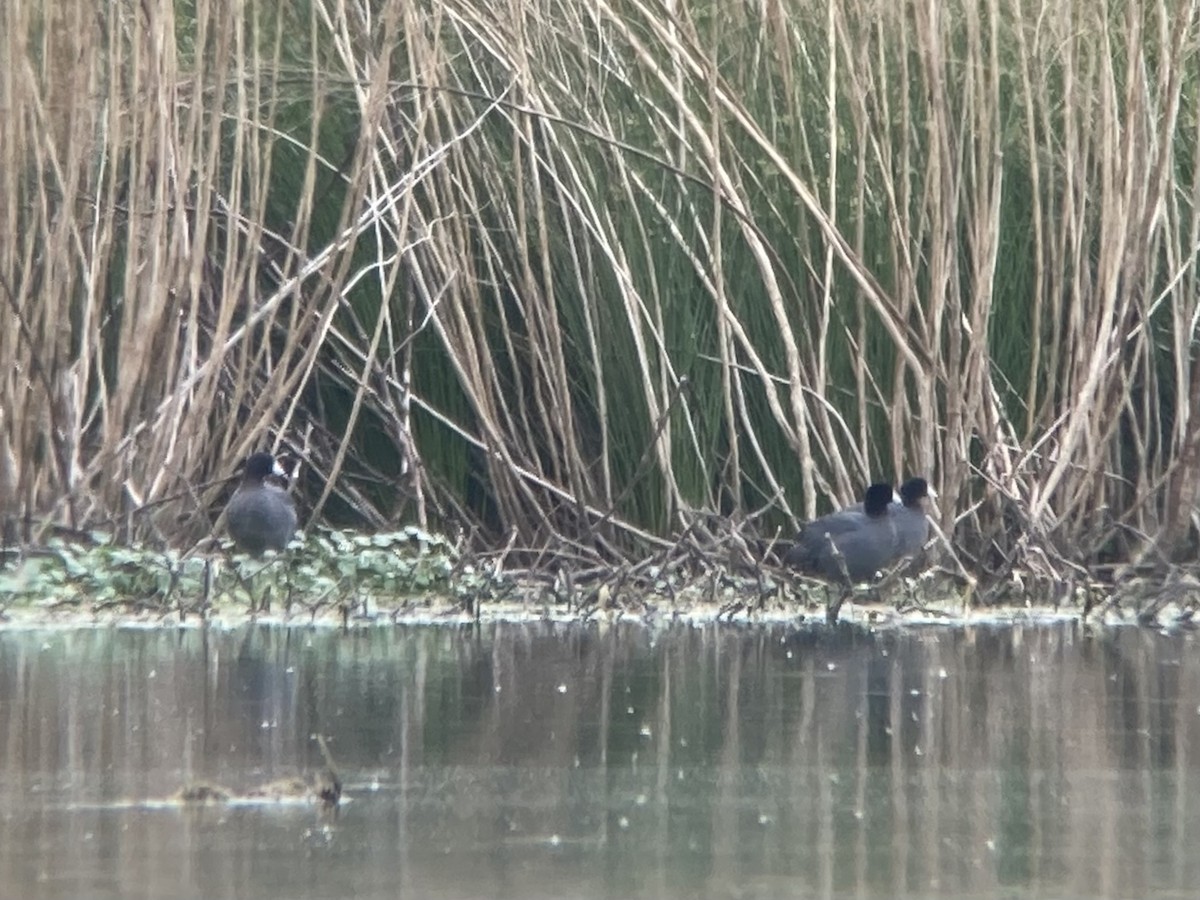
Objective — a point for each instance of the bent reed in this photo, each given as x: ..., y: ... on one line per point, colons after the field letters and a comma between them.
x: 603, y: 279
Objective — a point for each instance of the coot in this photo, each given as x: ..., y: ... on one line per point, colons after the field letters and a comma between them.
x: 912, y: 525
x: 260, y: 515
x: 863, y: 539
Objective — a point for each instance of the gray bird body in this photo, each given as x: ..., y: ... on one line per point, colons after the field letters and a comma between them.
x: 907, y: 513
x: 862, y: 538
x: 912, y: 525
x: 260, y: 515
x: 869, y: 537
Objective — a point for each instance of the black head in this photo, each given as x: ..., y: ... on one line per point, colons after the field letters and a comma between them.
x: 913, y: 491
x: 877, y: 498
x: 259, y: 466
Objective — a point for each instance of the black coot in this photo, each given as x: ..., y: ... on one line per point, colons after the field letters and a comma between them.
x: 912, y: 524
x: 260, y: 515
x: 863, y: 539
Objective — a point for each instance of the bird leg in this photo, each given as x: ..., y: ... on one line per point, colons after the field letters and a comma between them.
x: 834, y: 607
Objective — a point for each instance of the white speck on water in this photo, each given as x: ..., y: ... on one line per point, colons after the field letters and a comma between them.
x: 764, y: 819
x: 858, y: 814
x: 789, y: 654
x: 645, y: 731
x: 623, y: 823
x: 918, y: 751
x: 562, y: 689
x: 831, y: 667
x: 555, y: 840
x: 914, y: 693
x: 640, y: 800
x: 153, y: 673
x: 290, y: 670
x: 496, y: 689
x: 629, y: 709
x: 942, y: 673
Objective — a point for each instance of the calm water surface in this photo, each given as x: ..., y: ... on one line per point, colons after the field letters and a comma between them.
x: 555, y: 761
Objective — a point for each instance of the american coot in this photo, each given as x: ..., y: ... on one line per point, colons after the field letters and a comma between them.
x: 260, y: 515
x: 865, y: 539
x: 912, y: 525
x: 907, y: 511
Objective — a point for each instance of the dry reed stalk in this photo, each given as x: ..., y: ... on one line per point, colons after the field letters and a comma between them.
x: 541, y: 195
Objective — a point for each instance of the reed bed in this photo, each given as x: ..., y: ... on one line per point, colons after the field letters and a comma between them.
x: 600, y: 280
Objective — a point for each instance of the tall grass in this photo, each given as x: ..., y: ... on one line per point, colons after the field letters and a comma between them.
x: 579, y: 274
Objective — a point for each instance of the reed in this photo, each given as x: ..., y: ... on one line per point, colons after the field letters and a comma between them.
x: 575, y: 276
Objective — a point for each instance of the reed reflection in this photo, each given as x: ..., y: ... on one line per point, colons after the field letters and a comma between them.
x: 505, y: 760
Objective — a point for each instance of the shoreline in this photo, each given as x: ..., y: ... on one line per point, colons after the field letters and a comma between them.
x: 699, y: 614
x: 409, y: 578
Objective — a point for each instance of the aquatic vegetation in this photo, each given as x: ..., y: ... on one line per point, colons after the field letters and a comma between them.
x: 322, y: 569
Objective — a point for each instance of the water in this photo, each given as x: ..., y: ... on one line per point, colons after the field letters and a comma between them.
x: 554, y: 761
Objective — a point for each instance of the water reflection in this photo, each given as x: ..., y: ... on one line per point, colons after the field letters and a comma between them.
x: 519, y: 761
